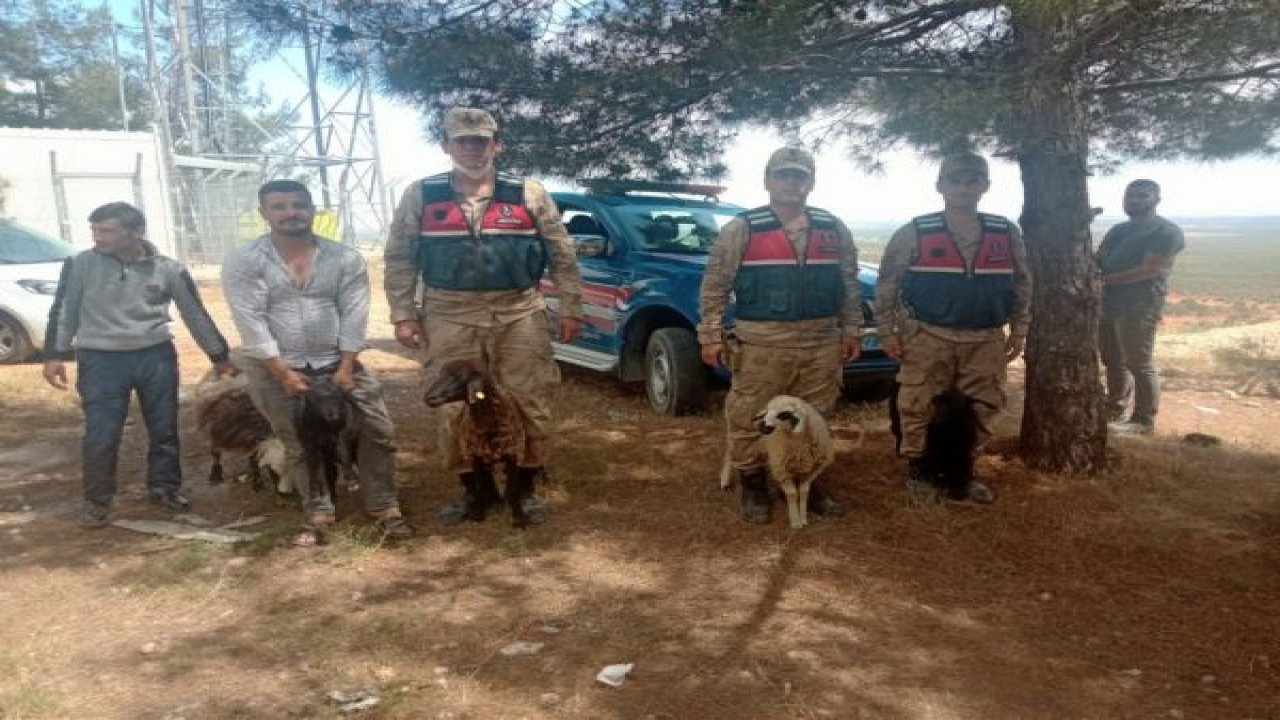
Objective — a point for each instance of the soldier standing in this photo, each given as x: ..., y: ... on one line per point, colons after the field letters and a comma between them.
x: 1135, y: 258
x: 949, y: 283
x: 478, y: 240
x: 793, y: 270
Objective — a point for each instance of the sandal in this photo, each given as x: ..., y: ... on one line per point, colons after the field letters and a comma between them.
x: 395, y: 528
x: 310, y: 535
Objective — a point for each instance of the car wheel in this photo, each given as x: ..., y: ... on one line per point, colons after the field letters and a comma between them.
x: 14, y: 345
x: 674, y: 377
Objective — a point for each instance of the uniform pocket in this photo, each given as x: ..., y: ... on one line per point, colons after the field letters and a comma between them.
x: 911, y: 375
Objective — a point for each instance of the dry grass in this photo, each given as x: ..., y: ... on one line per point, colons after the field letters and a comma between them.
x: 1042, y: 606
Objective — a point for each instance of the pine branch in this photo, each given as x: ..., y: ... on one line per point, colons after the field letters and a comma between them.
x: 1270, y: 71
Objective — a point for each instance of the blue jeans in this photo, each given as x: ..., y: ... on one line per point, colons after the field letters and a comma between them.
x: 106, y: 379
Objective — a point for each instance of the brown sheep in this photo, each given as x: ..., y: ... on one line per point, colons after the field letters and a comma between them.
x: 226, y: 412
x: 490, y: 434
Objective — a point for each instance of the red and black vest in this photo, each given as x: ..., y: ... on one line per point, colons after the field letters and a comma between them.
x: 507, y: 254
x: 940, y: 289
x: 774, y: 284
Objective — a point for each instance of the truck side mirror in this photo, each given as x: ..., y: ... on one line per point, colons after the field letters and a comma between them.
x: 590, y: 245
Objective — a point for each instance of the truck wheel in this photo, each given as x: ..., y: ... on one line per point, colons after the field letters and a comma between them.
x: 14, y: 345
x: 674, y: 377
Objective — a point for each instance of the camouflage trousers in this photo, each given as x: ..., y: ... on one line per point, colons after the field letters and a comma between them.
x: 932, y: 365
x: 812, y: 374
x: 518, y: 356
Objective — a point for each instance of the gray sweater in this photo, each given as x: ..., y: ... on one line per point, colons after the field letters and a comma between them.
x: 104, y: 303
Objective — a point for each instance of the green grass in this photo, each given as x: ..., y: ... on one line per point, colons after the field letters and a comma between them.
x: 20, y: 697
x: 1233, y: 263
x: 188, y: 564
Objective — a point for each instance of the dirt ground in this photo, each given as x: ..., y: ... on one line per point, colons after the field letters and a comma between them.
x: 1146, y: 592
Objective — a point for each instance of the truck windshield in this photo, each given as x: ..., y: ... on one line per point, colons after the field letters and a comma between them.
x: 675, y: 229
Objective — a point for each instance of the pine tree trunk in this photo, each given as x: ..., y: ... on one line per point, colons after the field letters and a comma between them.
x: 1063, y: 426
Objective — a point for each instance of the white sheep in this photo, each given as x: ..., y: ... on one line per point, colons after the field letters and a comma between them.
x: 798, y: 447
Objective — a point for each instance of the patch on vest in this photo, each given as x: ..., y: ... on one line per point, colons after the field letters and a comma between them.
x: 507, y: 216
x: 998, y: 250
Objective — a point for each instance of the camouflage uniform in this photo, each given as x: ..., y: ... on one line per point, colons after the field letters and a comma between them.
x: 935, y: 357
x: 767, y: 358
x: 508, y: 328
x: 803, y: 358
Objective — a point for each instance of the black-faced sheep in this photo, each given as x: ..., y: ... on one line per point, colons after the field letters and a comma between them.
x: 950, y: 441
x: 225, y: 411
x: 488, y: 437
x: 327, y: 425
x: 798, y: 447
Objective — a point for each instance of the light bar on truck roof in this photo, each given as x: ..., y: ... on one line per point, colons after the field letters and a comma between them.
x: 606, y: 186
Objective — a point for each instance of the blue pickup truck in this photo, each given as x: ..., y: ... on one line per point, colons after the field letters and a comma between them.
x: 642, y: 247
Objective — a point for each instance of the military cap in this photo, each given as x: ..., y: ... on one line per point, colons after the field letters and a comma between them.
x: 463, y: 122
x: 963, y: 162
x: 790, y: 158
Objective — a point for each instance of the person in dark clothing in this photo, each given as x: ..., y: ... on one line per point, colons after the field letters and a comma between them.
x: 1135, y: 258
x: 111, y: 314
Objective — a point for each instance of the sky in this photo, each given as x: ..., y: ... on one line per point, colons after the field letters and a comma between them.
x: 1244, y: 187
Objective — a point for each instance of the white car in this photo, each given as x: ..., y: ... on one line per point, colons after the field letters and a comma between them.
x: 30, y: 263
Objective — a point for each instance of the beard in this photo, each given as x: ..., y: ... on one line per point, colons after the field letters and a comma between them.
x: 474, y: 173
x: 302, y: 230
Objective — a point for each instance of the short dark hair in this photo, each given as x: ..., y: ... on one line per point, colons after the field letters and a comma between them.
x: 128, y: 215
x: 282, y: 186
x: 1145, y: 183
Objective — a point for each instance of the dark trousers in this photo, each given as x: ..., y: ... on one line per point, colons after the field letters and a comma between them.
x: 1126, y: 341
x: 106, y: 380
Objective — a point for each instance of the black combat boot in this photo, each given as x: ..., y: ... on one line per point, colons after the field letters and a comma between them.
x: 479, y: 493
x: 973, y: 491
x: 756, y: 500
x: 922, y: 484
x: 821, y: 503
x: 526, y: 507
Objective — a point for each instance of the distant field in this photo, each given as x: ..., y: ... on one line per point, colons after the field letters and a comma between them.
x: 1230, y: 262
x: 1227, y: 260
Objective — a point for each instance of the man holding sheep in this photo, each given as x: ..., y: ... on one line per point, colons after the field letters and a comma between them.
x: 949, y: 283
x: 477, y: 241
x: 301, y: 304
x: 794, y: 272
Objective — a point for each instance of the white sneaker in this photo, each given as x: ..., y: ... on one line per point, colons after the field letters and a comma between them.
x: 1131, y: 427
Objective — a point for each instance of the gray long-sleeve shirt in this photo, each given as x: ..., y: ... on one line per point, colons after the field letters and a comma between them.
x: 309, y: 324
x: 105, y: 303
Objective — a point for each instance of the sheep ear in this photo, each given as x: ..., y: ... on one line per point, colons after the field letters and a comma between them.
x: 475, y: 389
x: 758, y: 417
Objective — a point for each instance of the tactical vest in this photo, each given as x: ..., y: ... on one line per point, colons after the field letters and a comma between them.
x: 508, y: 253
x: 773, y: 284
x: 940, y: 289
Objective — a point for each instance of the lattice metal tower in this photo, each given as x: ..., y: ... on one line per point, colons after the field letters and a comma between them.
x: 330, y: 144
